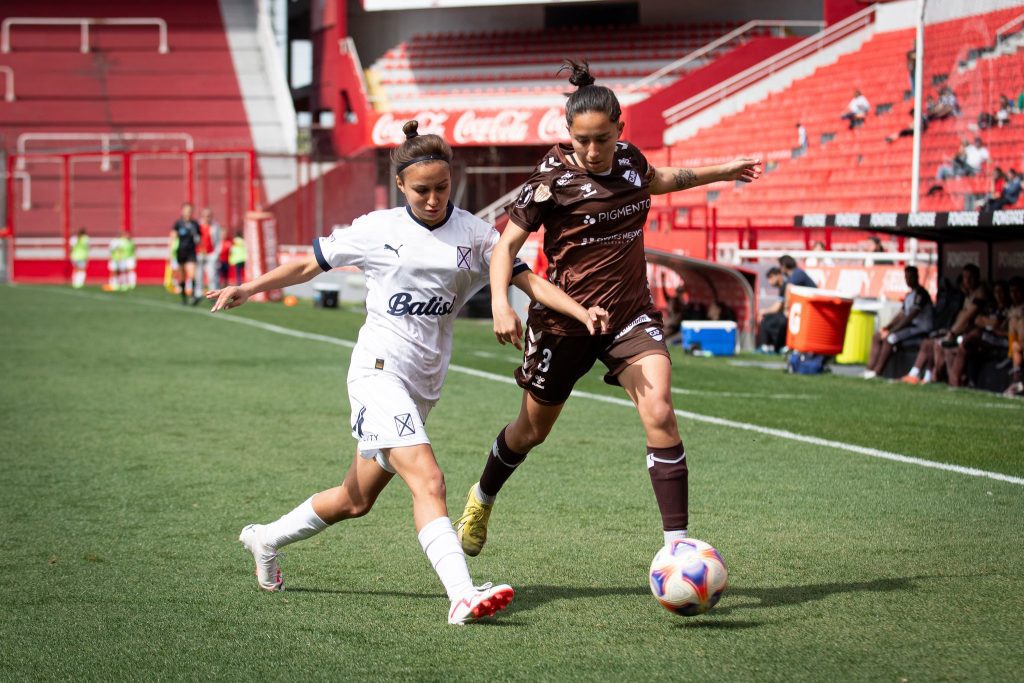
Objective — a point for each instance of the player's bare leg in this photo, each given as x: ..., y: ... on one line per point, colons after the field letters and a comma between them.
x: 648, y: 382
x: 418, y: 468
x: 510, y: 448
x: 355, y: 496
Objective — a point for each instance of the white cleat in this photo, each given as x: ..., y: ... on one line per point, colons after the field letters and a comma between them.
x: 483, y: 601
x: 268, y: 574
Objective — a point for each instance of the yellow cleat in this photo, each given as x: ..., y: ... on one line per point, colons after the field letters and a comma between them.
x: 472, y: 525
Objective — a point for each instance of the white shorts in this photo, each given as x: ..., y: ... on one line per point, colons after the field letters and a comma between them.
x: 384, y: 416
x: 115, y: 265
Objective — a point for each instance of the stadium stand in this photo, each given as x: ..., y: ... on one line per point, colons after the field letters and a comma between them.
x: 455, y: 70
x: 857, y: 170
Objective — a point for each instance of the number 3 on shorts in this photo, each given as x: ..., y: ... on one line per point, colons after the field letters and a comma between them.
x: 545, y: 361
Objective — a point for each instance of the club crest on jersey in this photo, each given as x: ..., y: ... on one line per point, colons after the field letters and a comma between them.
x: 655, y: 333
x: 402, y: 304
x: 525, y: 196
x: 404, y: 425
x: 633, y: 177
x: 464, y: 258
x: 542, y: 194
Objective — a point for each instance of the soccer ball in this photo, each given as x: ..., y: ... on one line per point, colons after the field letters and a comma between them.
x: 688, y: 576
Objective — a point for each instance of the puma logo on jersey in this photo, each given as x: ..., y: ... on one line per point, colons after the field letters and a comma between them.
x: 394, y: 249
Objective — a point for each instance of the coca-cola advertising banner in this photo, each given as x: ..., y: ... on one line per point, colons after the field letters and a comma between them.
x: 476, y: 127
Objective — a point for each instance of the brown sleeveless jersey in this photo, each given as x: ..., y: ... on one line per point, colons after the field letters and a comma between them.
x: 593, y: 234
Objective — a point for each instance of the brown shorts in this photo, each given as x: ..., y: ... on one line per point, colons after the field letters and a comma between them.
x: 552, y: 364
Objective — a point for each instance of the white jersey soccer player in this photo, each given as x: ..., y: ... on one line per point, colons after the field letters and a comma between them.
x: 422, y: 264
x: 417, y: 279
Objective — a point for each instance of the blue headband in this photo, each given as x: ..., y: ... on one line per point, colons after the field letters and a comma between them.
x: 427, y: 157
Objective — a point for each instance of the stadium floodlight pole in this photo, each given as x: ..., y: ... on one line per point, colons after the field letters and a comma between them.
x: 915, y: 172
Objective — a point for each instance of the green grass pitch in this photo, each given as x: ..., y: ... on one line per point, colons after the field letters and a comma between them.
x: 139, y: 436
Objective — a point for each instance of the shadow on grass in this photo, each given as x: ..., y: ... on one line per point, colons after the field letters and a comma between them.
x: 796, y: 595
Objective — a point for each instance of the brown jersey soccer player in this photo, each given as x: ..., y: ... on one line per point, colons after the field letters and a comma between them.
x: 592, y: 196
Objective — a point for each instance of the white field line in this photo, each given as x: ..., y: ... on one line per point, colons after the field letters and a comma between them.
x: 696, y: 417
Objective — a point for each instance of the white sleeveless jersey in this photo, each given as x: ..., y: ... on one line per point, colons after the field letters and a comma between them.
x: 417, y: 279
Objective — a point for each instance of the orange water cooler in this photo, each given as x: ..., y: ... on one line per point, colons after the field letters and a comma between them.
x: 817, y: 320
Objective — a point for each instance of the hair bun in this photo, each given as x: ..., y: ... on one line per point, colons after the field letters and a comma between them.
x: 410, y: 129
x: 580, y: 73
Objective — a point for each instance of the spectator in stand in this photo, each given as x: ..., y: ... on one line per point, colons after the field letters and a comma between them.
x: 932, y: 353
x: 946, y: 106
x: 1015, y: 325
x: 794, y: 274
x: 911, y: 68
x: 771, y: 331
x: 801, y: 141
x: 976, y: 156
x: 909, y: 130
x: 990, y: 334
x: 814, y: 261
x: 1010, y: 193
x: 79, y: 258
x: 1004, y: 112
x: 955, y: 167
x: 913, y: 321
x: 720, y: 311
x: 857, y: 110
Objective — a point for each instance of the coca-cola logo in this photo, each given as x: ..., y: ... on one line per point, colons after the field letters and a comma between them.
x: 508, y: 125
x: 387, y: 131
x: 501, y: 127
x: 551, y: 127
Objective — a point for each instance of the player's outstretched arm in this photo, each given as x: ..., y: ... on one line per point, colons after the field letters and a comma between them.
x: 285, y: 275
x: 508, y: 329
x: 542, y: 291
x: 744, y: 169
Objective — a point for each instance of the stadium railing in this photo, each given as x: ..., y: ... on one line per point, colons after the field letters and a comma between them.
x: 801, y: 50
x: 737, y: 34
x: 84, y: 23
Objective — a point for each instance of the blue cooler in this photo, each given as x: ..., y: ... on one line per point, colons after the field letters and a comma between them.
x: 712, y: 336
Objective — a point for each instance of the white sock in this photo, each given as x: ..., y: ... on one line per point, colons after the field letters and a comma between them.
x: 297, y: 525
x: 444, y: 551
x: 677, y: 535
x: 79, y: 278
x: 928, y: 376
x: 483, y: 497
x: 915, y: 371
x: 132, y: 279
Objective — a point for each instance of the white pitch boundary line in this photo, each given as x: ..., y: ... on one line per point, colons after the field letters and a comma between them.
x: 696, y: 417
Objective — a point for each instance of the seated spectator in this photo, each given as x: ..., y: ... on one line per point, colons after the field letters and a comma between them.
x: 1015, y: 327
x: 801, y: 141
x: 990, y: 334
x: 814, y: 261
x: 956, y: 166
x: 976, y: 156
x: 909, y: 130
x: 912, y: 322
x: 857, y: 110
x: 771, y: 330
x: 946, y: 106
x: 932, y: 356
x: 678, y: 308
x: 1004, y: 112
x: 1009, y: 194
